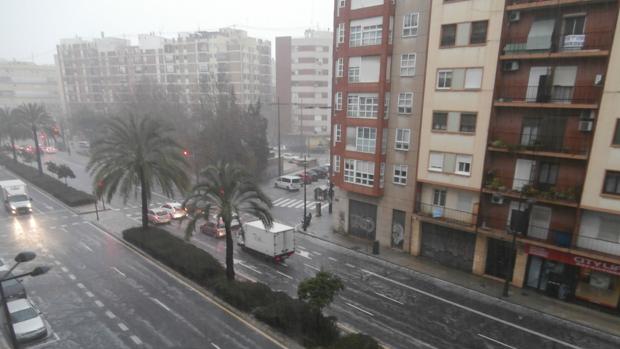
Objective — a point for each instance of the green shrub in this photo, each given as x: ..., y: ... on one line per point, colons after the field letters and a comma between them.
x: 355, y: 340
x: 244, y: 295
x: 69, y: 195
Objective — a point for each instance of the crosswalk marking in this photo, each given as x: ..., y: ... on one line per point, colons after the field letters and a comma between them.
x: 296, y: 203
x: 285, y: 202
x: 278, y: 201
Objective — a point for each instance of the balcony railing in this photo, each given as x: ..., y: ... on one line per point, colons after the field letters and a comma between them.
x: 538, y: 233
x: 531, y: 188
x: 589, y: 41
x: 447, y: 215
x: 582, y: 94
x: 598, y: 244
x: 518, y: 141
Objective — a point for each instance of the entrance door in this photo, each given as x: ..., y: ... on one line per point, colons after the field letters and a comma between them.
x: 540, y: 218
x: 362, y: 219
x: 536, y: 82
x: 523, y: 173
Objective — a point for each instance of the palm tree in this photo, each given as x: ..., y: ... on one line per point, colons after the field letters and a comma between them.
x: 136, y: 152
x: 36, y: 117
x: 12, y: 127
x: 227, y: 191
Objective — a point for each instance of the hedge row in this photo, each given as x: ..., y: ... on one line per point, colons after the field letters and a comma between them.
x: 69, y: 195
x: 291, y: 316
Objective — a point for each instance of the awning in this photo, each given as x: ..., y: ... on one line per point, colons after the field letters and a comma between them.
x: 540, y: 35
x: 569, y: 258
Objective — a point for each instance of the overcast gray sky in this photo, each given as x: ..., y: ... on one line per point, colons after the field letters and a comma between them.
x: 32, y: 28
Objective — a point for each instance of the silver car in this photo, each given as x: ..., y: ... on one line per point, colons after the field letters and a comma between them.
x: 175, y: 210
x: 26, y: 320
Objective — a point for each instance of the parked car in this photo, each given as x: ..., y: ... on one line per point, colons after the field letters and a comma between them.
x: 289, y: 183
x: 13, y: 289
x: 219, y: 230
x: 50, y: 150
x: 314, y: 175
x: 159, y: 216
x: 305, y: 178
x: 288, y: 156
x: 175, y: 210
x: 322, y: 171
x: 26, y: 320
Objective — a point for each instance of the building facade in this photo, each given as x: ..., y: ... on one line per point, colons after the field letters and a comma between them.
x: 304, y: 85
x: 98, y: 72
x: 25, y: 82
x: 378, y: 88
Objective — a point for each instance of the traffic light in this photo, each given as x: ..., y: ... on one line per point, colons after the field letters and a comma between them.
x: 186, y: 153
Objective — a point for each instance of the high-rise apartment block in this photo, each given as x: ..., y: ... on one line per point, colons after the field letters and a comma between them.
x: 514, y: 132
x: 303, y: 85
x: 97, y: 72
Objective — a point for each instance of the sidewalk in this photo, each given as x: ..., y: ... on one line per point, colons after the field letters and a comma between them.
x: 321, y: 228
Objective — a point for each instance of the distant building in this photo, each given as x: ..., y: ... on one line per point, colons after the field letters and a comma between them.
x: 303, y: 85
x: 25, y: 82
x: 102, y: 71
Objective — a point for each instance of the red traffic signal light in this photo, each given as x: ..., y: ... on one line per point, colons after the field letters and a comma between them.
x: 186, y: 153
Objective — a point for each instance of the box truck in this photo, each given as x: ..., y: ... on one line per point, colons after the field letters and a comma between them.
x: 277, y: 243
x: 15, y: 197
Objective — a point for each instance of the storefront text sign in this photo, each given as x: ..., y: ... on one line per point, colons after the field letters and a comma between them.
x: 569, y: 258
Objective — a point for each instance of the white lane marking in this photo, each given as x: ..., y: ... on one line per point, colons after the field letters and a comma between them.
x: 64, y: 269
x: 300, y: 246
x: 57, y: 262
x: 86, y: 246
x: 135, y: 339
x: 215, y: 346
x: 63, y: 225
x: 277, y: 201
x: 312, y: 267
x: 477, y: 312
x: 110, y: 314
x: 122, y: 327
x: 118, y: 271
x: 389, y: 298
x: 316, y: 253
x: 304, y: 254
x: 360, y: 309
x: 90, y: 294
x: 247, y: 277
x: 99, y: 304
x: 251, y: 267
x: 160, y: 303
x: 294, y: 203
x: 301, y: 204
x: 496, y: 341
x: 81, y: 285
x: 72, y: 277
x: 285, y: 275
x: 75, y: 223
x: 283, y: 202
x: 349, y: 265
x: 332, y: 259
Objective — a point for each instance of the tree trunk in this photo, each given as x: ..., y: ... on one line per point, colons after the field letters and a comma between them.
x: 13, y: 147
x: 36, y: 147
x: 230, y: 264
x: 145, y: 203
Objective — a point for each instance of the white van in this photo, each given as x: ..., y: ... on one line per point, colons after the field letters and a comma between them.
x: 289, y: 183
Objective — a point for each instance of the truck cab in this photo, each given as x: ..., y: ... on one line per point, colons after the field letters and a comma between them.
x: 15, y: 197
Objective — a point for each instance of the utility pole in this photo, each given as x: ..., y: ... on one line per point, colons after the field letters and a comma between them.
x: 279, y: 140
x: 305, y: 225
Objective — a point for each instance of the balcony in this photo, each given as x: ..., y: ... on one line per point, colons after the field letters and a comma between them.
x: 589, y: 44
x: 446, y: 215
x: 542, y: 145
x: 537, y: 96
x: 554, y: 194
x: 526, y: 230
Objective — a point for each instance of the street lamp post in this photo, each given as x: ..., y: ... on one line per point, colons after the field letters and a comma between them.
x: 21, y: 257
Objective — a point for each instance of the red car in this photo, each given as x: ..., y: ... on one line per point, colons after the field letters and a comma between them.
x: 307, y: 179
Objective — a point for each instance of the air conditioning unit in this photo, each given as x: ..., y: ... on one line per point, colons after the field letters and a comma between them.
x: 514, y: 16
x: 586, y: 125
x: 510, y: 66
x: 497, y: 199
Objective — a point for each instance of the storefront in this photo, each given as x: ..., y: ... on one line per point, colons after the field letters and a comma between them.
x: 500, y: 258
x: 449, y: 247
x: 362, y: 219
x: 568, y: 276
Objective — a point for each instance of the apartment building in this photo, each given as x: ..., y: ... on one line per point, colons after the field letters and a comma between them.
x: 378, y: 87
x: 105, y: 70
x: 304, y: 86
x: 25, y: 82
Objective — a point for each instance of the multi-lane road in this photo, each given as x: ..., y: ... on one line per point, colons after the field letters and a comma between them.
x: 400, y: 307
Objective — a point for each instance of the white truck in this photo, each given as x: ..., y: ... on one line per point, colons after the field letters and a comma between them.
x: 277, y: 243
x: 15, y: 197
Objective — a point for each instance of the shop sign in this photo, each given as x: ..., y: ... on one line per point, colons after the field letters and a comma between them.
x: 569, y: 258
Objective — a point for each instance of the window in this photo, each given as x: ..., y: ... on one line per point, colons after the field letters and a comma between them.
x: 354, y: 74
x: 574, y: 25
x: 436, y: 162
x: 363, y: 106
x: 400, y: 174
x: 365, y: 34
x: 478, y: 32
x: 410, y: 24
x: 341, y: 5
x: 382, y: 175
x: 444, y: 79
x: 440, y: 121
x: 355, y: 36
x: 448, y: 35
x: 386, y: 105
x: 407, y: 64
x: 359, y: 172
x: 338, y: 101
x: 340, y: 39
x: 612, y: 183
x: 366, y: 140
x: 439, y: 197
x: 403, y: 137
x: 463, y: 165
x: 339, y: 68
x: 337, y: 163
x: 337, y: 133
x: 405, y: 103
x: 616, y: 140
x: 468, y: 122
x: 548, y: 173
x: 473, y: 78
